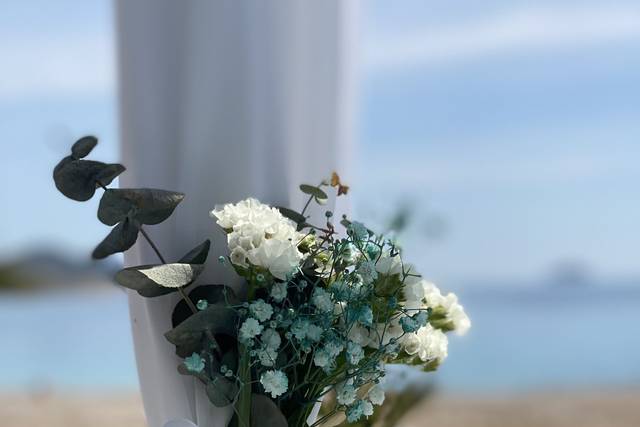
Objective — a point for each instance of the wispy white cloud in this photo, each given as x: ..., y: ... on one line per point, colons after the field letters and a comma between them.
x: 36, y: 67
x: 512, y: 32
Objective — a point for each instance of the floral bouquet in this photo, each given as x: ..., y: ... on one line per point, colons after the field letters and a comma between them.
x: 324, y: 308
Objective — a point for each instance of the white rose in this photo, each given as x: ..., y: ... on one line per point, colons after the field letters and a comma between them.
x: 279, y: 257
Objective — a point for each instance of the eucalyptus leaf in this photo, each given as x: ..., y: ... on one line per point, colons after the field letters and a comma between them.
x: 197, y: 255
x: 292, y: 215
x: 107, y: 174
x: 221, y: 391
x: 156, y: 280
x: 149, y: 206
x: 217, y: 318
x: 213, y: 294
x: 314, y: 191
x: 121, y: 238
x: 265, y: 413
x: 77, y: 179
x: 83, y: 146
x: 175, y: 275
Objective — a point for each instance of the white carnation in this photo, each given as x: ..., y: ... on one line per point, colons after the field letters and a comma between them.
x: 260, y: 234
x: 428, y: 344
x: 279, y: 257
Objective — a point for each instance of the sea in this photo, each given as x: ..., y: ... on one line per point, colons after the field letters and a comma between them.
x: 523, y: 339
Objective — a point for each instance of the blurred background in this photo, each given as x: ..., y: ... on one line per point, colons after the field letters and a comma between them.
x: 506, y: 135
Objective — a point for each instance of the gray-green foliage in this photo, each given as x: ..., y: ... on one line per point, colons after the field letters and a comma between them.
x: 148, y: 206
x: 77, y: 178
x: 126, y: 209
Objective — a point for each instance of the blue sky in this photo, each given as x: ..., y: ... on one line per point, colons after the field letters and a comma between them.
x: 515, y: 122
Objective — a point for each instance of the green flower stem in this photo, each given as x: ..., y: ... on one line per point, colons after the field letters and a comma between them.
x: 243, y: 404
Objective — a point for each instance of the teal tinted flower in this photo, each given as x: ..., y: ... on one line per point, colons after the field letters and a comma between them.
x: 271, y: 339
x: 194, y: 363
x: 365, y: 316
x: 261, y: 310
x: 279, y: 291
x: 275, y: 383
x: 358, y: 410
x: 372, y: 251
x: 322, y: 300
x: 346, y: 393
x: 358, y: 231
x: 355, y: 353
x: 202, y: 304
x: 250, y: 329
x: 367, y: 271
x: 222, y: 260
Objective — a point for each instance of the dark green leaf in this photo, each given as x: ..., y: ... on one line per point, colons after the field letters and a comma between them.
x: 155, y: 280
x: 83, y: 146
x: 213, y: 294
x: 76, y: 179
x: 221, y: 391
x: 109, y: 173
x: 314, y: 191
x: 218, y: 319
x: 149, y: 206
x: 265, y: 413
x: 121, y: 238
x: 197, y: 255
x: 292, y: 215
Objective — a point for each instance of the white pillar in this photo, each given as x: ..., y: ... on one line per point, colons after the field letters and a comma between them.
x: 224, y: 99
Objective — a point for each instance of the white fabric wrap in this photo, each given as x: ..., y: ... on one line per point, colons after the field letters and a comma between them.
x: 223, y: 100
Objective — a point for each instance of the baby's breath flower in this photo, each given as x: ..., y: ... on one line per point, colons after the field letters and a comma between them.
x: 358, y: 231
x: 279, y: 291
x: 376, y: 395
x: 322, y: 300
x: 271, y: 339
x: 250, y: 329
x: 345, y: 393
x: 355, y: 353
x: 202, y: 304
x: 261, y: 310
x: 367, y: 271
x: 274, y: 382
x: 194, y: 363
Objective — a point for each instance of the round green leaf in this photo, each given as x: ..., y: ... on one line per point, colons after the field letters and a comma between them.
x: 121, y: 238
x: 83, y: 146
x: 217, y: 318
x: 148, y: 206
x: 314, y: 191
x: 197, y: 255
x: 221, y: 391
x: 265, y: 413
x: 77, y: 179
x: 174, y: 275
x: 156, y: 280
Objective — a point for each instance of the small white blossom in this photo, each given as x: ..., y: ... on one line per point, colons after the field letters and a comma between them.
x: 271, y: 339
x: 321, y: 359
x: 355, y: 353
x: 346, y: 393
x: 250, y: 329
x: 279, y: 291
x: 267, y: 356
x: 261, y: 310
x: 376, y: 395
x: 274, y: 382
x: 322, y: 300
x: 428, y: 344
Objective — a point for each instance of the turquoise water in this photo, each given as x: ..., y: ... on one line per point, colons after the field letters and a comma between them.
x: 520, y: 340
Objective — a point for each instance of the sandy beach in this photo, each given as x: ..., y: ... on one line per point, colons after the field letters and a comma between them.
x: 602, y: 409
